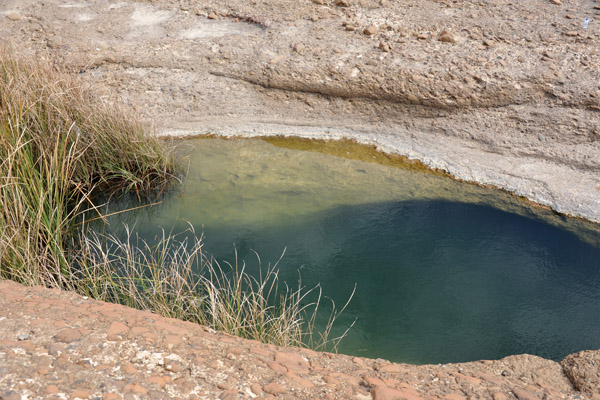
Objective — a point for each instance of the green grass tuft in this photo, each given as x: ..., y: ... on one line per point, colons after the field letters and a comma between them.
x: 59, y: 144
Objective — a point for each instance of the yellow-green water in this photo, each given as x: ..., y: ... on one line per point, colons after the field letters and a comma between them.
x: 445, y: 271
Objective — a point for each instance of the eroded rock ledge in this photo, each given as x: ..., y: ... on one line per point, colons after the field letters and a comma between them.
x: 57, y: 345
x: 494, y: 91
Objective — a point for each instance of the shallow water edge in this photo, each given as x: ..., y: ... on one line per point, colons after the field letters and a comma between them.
x: 566, y: 189
x: 351, y: 147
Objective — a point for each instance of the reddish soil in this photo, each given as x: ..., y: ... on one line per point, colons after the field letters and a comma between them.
x: 58, y: 345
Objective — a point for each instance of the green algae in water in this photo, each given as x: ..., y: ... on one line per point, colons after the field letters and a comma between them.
x: 445, y: 271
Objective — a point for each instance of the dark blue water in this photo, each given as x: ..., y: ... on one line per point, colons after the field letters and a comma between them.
x: 440, y: 281
x: 437, y: 280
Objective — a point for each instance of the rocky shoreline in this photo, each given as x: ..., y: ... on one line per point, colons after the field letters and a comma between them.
x: 493, y: 92
x: 58, y: 345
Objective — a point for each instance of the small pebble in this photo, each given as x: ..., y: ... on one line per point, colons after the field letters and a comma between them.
x: 14, y: 16
x: 548, y: 54
x: 256, y: 389
x: 370, y: 30
x: 383, y: 46
x: 274, y: 388
x: 447, y: 36
x: 51, y: 389
x: 23, y: 336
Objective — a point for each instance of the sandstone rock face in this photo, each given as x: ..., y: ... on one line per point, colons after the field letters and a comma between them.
x: 495, y: 93
x: 583, y: 369
x: 56, y: 345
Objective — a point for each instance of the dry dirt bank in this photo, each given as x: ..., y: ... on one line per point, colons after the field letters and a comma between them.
x: 493, y: 91
x: 57, y: 345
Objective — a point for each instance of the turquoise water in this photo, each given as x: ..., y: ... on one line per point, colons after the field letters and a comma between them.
x: 445, y: 272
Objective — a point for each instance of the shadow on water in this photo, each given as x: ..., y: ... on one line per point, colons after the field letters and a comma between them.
x: 441, y: 281
x: 438, y: 280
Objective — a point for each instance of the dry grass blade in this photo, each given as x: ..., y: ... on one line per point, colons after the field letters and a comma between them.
x: 175, y: 279
x: 58, y: 143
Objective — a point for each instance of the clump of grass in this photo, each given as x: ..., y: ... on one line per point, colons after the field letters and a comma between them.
x: 58, y: 143
x: 46, y: 105
x: 176, y: 279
